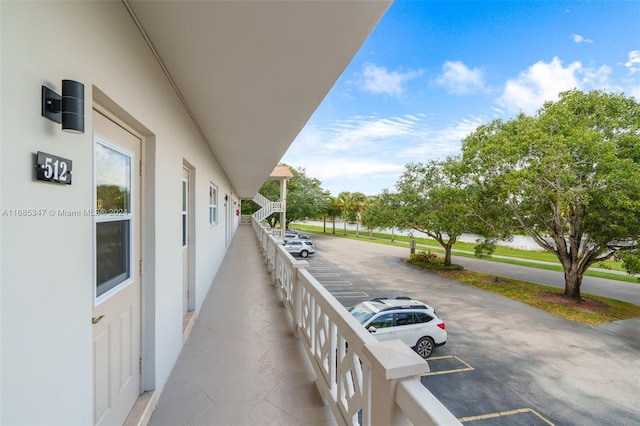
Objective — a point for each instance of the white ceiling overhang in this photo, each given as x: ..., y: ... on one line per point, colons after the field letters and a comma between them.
x: 251, y: 73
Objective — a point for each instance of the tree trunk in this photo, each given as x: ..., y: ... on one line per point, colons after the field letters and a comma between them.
x: 447, y: 255
x: 573, y: 273
x: 572, y: 282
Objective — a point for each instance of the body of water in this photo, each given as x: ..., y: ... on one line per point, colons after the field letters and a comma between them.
x: 521, y: 242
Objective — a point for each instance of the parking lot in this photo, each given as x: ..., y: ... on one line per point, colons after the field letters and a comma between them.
x: 504, y: 363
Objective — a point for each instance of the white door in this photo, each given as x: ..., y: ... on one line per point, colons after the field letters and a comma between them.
x: 117, y: 285
x: 185, y: 241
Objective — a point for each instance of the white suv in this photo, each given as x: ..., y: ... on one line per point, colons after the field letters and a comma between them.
x: 415, y: 323
x: 302, y: 248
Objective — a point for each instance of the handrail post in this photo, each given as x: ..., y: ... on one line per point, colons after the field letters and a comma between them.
x: 390, y: 361
x: 297, y: 296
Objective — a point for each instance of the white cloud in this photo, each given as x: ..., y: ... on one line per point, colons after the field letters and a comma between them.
x: 541, y: 82
x: 361, y: 132
x: 379, y: 80
x: 460, y: 79
x: 353, y: 168
x: 457, y: 131
x: 577, y: 38
x: 597, y: 78
x: 444, y: 142
x: 633, y: 64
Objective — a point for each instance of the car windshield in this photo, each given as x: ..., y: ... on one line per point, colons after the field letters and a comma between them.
x: 361, y: 312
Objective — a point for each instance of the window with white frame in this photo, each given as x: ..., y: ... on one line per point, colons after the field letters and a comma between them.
x: 113, y: 219
x: 213, y: 204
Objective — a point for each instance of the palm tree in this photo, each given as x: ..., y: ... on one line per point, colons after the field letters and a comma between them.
x: 343, y: 202
x: 358, y: 205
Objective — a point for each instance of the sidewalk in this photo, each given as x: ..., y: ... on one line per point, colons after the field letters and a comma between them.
x: 241, y: 364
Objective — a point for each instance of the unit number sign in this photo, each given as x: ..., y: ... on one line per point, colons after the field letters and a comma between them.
x: 51, y: 168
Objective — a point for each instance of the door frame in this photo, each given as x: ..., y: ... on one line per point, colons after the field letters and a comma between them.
x: 229, y: 215
x: 105, y: 106
x: 191, y: 233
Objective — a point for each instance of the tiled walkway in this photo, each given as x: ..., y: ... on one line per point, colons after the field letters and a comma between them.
x: 241, y: 364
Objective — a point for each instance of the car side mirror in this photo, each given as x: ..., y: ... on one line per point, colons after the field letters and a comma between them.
x: 371, y: 329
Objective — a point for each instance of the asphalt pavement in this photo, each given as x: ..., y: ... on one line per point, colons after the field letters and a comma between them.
x: 505, y: 363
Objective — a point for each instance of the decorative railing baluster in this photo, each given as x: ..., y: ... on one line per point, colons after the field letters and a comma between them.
x: 355, y: 374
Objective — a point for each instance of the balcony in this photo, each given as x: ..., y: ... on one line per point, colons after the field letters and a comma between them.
x: 271, y: 346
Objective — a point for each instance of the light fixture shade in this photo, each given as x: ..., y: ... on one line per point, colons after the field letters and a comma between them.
x: 72, y: 106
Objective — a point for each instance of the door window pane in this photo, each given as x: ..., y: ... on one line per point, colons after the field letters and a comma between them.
x: 213, y: 204
x: 185, y: 196
x: 383, y: 321
x: 113, y: 181
x: 404, y: 318
x: 112, y: 254
x: 184, y: 230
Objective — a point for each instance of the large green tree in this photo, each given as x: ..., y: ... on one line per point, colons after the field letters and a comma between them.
x: 569, y: 177
x: 432, y: 199
x: 381, y: 211
x: 305, y: 197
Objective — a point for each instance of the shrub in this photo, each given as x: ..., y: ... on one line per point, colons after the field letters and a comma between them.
x: 427, y: 257
x: 429, y: 260
x: 484, y: 248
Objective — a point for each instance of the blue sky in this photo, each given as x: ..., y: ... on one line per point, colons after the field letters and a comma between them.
x: 432, y: 71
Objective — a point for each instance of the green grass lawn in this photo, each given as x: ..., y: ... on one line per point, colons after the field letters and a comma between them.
x: 516, y: 256
x: 594, y: 309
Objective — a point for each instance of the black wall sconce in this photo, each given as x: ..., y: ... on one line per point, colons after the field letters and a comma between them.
x: 67, y: 109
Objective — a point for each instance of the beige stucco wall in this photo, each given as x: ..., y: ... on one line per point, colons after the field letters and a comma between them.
x: 46, y: 262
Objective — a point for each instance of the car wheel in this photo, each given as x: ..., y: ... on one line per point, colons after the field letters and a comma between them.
x: 304, y: 253
x: 424, y: 347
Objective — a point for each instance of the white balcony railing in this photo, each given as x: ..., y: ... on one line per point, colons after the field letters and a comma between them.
x: 363, y: 381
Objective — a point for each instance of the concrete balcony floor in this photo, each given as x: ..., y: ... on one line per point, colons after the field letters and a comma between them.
x: 241, y: 364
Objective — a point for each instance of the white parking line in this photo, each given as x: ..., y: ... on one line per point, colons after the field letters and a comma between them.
x: 330, y: 283
x: 502, y: 414
x: 349, y: 294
